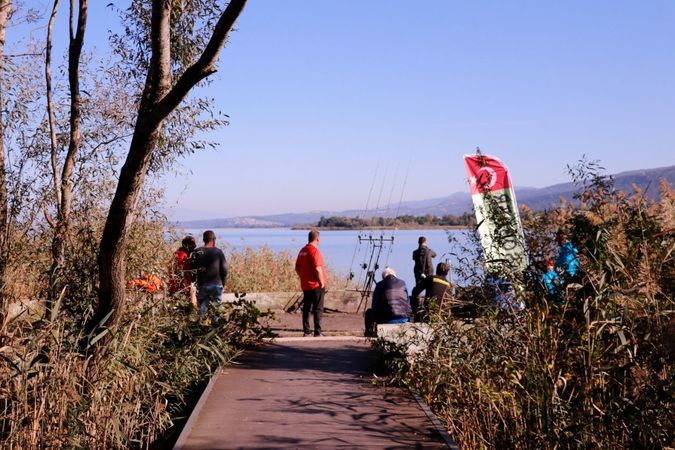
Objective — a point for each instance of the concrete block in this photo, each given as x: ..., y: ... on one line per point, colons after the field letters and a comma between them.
x: 412, y: 337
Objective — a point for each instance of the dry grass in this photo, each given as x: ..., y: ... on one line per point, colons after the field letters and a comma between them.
x: 52, y: 398
x: 597, y: 372
x: 264, y: 270
x: 50, y: 394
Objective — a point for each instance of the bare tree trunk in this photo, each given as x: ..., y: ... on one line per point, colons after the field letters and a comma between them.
x: 158, y: 101
x: 53, y: 144
x: 50, y: 101
x: 65, y: 193
x: 74, y: 54
x: 5, y: 10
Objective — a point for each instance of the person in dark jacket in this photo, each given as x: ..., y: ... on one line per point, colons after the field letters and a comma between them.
x: 210, y: 268
x: 390, y: 302
x: 423, y: 257
x: 435, y: 288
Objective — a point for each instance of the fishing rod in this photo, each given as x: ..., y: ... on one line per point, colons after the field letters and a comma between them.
x: 387, y: 214
x: 358, y: 245
x: 383, y: 242
x: 398, y: 208
x: 375, y: 245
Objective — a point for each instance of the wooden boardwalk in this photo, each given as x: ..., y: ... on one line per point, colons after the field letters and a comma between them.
x: 307, y: 393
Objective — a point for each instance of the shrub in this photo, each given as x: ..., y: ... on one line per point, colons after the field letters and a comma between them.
x: 156, y: 362
x: 597, y: 371
x: 53, y: 395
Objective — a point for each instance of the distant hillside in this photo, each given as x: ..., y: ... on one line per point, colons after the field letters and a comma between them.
x: 456, y: 204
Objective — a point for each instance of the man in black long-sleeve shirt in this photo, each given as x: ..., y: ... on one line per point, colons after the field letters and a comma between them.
x: 423, y: 257
x: 210, y: 268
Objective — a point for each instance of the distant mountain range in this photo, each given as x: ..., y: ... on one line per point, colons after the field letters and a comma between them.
x: 456, y: 204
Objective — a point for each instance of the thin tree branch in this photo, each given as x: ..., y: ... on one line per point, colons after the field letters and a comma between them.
x: 74, y: 54
x: 95, y: 149
x: 108, y: 142
x: 50, y: 107
x: 5, y: 11
x: 20, y: 55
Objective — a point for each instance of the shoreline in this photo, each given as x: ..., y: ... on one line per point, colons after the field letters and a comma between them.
x: 427, y: 227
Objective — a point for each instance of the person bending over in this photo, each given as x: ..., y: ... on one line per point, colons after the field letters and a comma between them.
x: 435, y: 288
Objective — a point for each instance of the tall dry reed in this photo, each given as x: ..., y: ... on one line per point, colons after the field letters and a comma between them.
x: 597, y: 371
x: 264, y: 270
x: 52, y: 395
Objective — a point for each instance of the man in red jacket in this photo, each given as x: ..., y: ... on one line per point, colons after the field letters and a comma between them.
x: 310, y: 268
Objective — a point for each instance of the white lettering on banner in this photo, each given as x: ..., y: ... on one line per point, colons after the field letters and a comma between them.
x: 502, y: 243
x: 494, y: 202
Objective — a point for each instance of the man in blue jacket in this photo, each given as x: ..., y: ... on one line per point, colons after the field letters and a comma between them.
x: 391, y: 303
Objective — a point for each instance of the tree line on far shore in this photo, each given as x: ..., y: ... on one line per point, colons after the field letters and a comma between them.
x: 407, y: 220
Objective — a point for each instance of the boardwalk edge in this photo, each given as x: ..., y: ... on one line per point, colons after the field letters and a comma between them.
x: 195, y: 412
x: 434, y: 420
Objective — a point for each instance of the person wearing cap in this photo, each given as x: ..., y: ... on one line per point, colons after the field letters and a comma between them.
x: 391, y: 303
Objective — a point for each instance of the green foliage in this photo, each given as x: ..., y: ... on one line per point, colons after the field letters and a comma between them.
x: 598, y: 371
x: 186, y: 129
x: 447, y: 220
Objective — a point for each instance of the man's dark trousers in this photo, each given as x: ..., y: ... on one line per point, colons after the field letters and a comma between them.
x: 312, y: 300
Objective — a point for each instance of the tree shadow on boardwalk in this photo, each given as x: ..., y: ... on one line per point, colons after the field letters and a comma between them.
x: 316, y: 394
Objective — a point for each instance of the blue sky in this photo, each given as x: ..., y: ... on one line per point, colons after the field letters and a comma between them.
x: 323, y: 94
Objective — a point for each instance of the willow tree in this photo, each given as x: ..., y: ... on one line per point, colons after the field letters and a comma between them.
x: 163, y: 91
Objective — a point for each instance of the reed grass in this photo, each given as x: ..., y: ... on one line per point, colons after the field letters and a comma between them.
x: 264, y: 270
x: 595, y: 372
x: 53, y: 395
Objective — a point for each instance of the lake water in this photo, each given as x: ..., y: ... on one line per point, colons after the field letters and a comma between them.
x: 342, y: 250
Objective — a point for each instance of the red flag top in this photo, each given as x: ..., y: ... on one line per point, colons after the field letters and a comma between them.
x: 486, y: 173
